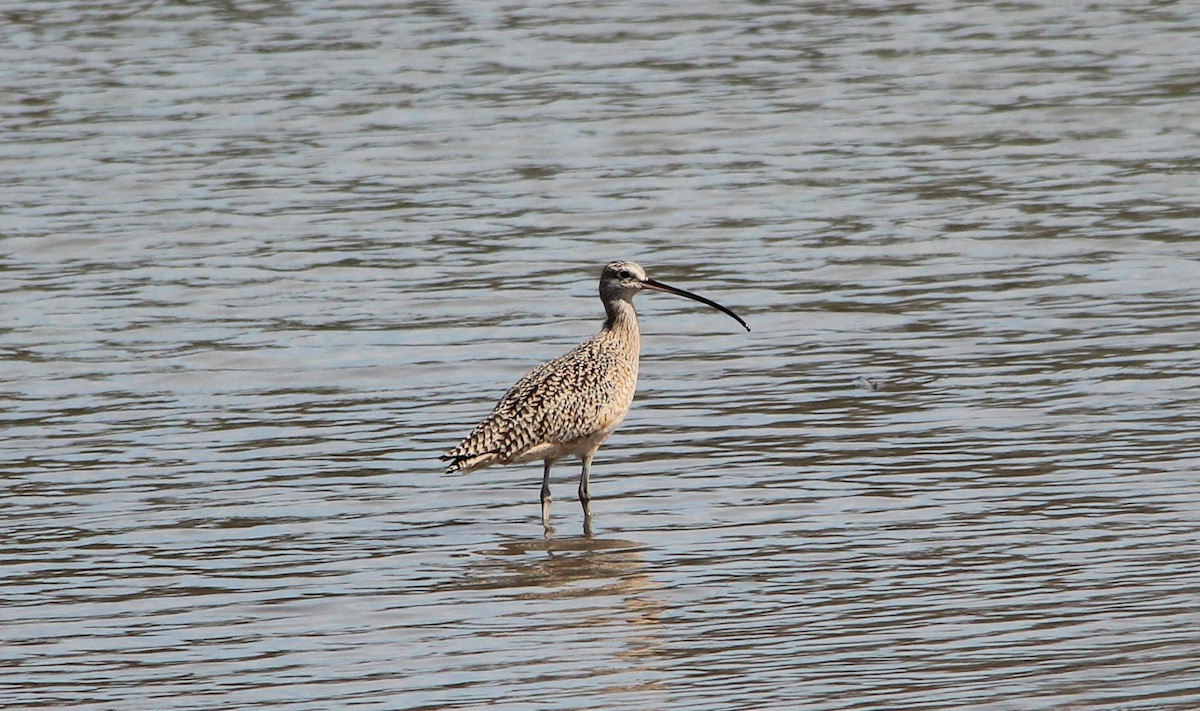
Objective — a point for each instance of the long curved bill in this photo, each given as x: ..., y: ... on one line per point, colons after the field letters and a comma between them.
x: 659, y: 286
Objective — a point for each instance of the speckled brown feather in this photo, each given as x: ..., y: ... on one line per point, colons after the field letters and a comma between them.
x: 570, y: 405
x: 566, y: 406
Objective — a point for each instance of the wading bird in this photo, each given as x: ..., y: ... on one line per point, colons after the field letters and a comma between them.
x: 571, y: 404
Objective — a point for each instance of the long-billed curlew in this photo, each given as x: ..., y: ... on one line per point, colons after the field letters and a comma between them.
x: 571, y: 404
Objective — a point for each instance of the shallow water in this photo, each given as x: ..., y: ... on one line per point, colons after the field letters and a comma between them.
x: 262, y: 263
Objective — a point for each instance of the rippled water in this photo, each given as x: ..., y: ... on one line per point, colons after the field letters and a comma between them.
x: 262, y: 262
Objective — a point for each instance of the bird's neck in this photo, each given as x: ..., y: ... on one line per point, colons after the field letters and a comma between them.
x: 621, y: 317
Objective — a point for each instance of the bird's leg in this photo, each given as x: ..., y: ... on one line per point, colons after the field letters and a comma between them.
x: 546, y: 495
x: 584, y: 497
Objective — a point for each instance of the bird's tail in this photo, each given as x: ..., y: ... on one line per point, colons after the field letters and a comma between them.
x: 468, y: 462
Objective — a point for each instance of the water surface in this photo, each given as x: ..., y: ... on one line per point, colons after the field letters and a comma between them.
x: 262, y: 262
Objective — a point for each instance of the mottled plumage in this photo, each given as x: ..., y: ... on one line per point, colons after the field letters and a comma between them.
x: 560, y: 405
x: 571, y: 404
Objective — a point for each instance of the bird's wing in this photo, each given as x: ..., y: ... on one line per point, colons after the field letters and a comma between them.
x: 559, y: 401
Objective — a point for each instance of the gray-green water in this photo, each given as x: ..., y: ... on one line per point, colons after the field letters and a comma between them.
x: 261, y: 262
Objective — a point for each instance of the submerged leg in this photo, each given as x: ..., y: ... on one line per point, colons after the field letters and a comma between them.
x: 546, y: 494
x: 584, y: 497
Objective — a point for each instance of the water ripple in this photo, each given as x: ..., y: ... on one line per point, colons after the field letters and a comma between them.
x: 262, y: 263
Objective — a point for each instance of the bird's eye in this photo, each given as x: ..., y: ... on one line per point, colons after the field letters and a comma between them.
x: 624, y: 274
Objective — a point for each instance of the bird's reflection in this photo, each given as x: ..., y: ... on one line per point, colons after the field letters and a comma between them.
x: 599, y: 567
x: 557, y: 562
